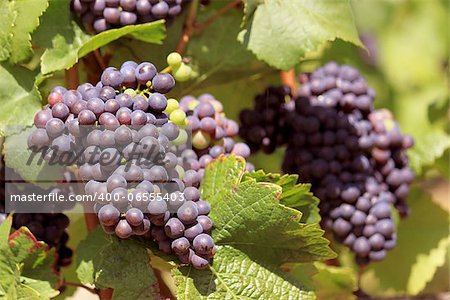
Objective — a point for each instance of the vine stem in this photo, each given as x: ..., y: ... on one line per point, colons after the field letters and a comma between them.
x: 202, y: 26
x: 71, y: 75
x: 288, y: 78
x: 188, y: 28
x: 93, y: 291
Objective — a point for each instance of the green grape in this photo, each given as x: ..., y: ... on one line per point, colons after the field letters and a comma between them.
x: 178, y: 117
x: 174, y: 59
x: 193, y: 104
x: 172, y: 104
x: 180, y: 171
x: 201, y: 140
x: 130, y: 92
x: 182, y: 73
x: 181, y: 138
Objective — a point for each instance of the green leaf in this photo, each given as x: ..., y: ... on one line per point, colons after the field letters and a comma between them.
x: 282, y: 32
x: 108, y: 262
x: 248, y: 215
x: 428, y: 149
x: 5, y: 228
x: 17, y: 156
x: 9, y: 15
x: 329, y: 282
x: 255, y: 235
x: 25, y: 20
x: 234, y: 276
x: 426, y: 265
x: 20, y: 98
x: 293, y: 195
x: 26, y: 268
x: 66, y: 42
x: 63, y: 55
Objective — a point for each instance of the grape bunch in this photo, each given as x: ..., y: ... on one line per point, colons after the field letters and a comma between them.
x: 353, y: 155
x: 47, y: 227
x: 140, y: 189
x: 263, y: 127
x: 212, y: 133
x: 101, y: 15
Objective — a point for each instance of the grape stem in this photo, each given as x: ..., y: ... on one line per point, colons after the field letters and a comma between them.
x: 93, y: 291
x: 288, y: 78
x: 72, y: 77
x: 191, y: 27
x: 188, y: 28
x: 202, y: 26
x: 99, y: 58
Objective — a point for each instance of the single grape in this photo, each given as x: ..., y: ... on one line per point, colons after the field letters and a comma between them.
x: 203, y: 244
x: 205, y: 222
x: 42, y: 117
x: 123, y: 229
x: 174, y: 228
x: 145, y: 72
x: 361, y: 246
x: 191, y: 193
x: 86, y: 117
x: 193, y: 231
x: 180, y: 246
x: 157, y: 102
x: 188, y: 212
x: 174, y: 59
x: 204, y: 207
x: 112, y: 16
x: 157, y: 207
x: 143, y: 228
x: 108, y: 215
x: 241, y: 149
x: 54, y: 127
x: 116, y: 181
x: 160, y: 10
x: 134, y: 217
x: 163, y: 83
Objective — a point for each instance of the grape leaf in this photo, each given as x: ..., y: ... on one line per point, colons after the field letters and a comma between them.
x: 63, y: 55
x: 66, y: 42
x: 428, y: 149
x: 234, y: 276
x: 426, y: 265
x: 25, y: 266
x: 108, y: 262
x: 293, y: 195
x: 9, y: 15
x: 329, y: 282
x: 20, y: 98
x: 23, y: 19
x: 281, y: 32
x: 255, y: 234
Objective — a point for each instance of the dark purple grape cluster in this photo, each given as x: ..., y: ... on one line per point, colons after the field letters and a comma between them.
x: 47, y: 227
x: 101, y: 15
x: 212, y: 133
x: 354, y: 156
x: 263, y: 127
x: 125, y: 135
